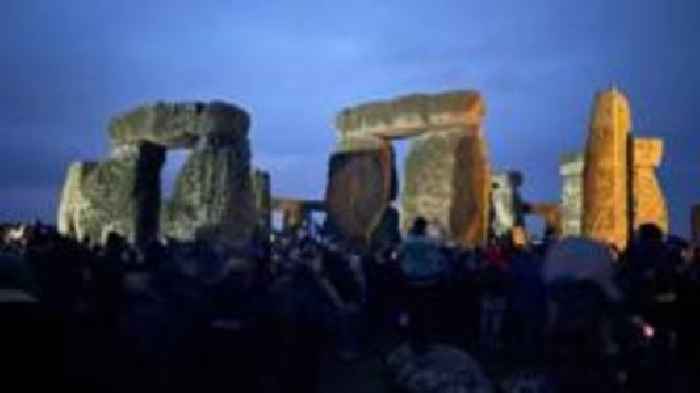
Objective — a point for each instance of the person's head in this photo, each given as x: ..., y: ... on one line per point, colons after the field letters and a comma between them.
x: 650, y: 233
x: 114, y: 242
x: 419, y: 228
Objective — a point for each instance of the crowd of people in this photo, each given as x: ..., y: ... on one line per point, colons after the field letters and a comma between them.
x: 183, y: 316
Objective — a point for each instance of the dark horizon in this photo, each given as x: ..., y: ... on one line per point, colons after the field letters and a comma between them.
x: 70, y: 67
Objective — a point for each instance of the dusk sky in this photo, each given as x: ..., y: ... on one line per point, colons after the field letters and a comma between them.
x: 68, y: 66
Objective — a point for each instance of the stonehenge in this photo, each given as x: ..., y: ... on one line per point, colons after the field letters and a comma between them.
x: 612, y: 188
x: 571, y: 171
x: 608, y: 191
x: 621, y: 190
x: 295, y: 212
x: 447, y: 178
x: 361, y: 185
x: 120, y: 194
x: 507, y: 205
x: 648, y: 198
x: 605, y: 173
x: 181, y: 125
x: 213, y: 199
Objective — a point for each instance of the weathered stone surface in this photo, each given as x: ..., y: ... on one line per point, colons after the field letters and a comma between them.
x: 413, y: 114
x: 506, y: 202
x: 260, y: 183
x: 361, y: 184
x: 647, y: 195
x: 606, y: 183
x: 181, y: 125
x: 72, y: 206
x: 359, y: 143
x: 213, y: 198
x: 118, y: 195
x: 442, y: 369
x: 448, y: 183
x: 571, y: 171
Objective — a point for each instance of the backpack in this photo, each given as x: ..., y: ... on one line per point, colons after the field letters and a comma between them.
x: 422, y: 262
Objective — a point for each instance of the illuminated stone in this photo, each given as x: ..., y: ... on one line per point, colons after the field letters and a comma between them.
x: 213, y: 198
x: 447, y: 170
x: 649, y: 202
x: 448, y: 183
x: 571, y: 171
x: 413, y: 114
x: 181, y: 125
x: 605, y: 184
x: 361, y: 185
x: 121, y: 195
x: 506, y: 202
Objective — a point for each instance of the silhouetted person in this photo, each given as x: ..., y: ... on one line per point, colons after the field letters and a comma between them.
x: 109, y: 282
x: 652, y: 279
x: 423, y: 266
x: 311, y: 300
x: 31, y: 341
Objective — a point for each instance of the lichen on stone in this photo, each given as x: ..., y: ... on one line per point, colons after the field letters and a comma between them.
x: 180, y: 124
x: 421, y: 105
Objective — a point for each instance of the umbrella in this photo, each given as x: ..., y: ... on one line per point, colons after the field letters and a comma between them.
x: 582, y: 259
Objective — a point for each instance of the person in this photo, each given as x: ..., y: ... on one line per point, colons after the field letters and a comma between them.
x: 583, y: 302
x: 311, y: 299
x: 653, y: 290
x: 689, y: 324
x: 29, y: 328
x: 234, y: 336
x: 383, y: 293
x: 527, y: 300
x: 109, y: 277
x: 423, y: 267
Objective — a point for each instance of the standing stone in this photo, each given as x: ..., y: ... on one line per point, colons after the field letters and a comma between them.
x: 448, y: 183
x: 293, y: 213
x: 649, y: 202
x: 120, y: 195
x: 571, y: 171
x: 263, y: 199
x: 606, y: 183
x: 447, y: 176
x: 506, y: 202
x: 213, y: 199
x: 361, y: 184
x: 72, y: 205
